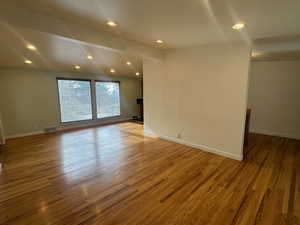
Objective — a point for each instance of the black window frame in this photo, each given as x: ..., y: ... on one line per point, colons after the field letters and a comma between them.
x: 59, y: 105
x: 107, y: 81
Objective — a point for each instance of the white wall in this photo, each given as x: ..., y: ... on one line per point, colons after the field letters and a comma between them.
x: 274, y: 97
x: 201, y: 94
x: 29, y: 99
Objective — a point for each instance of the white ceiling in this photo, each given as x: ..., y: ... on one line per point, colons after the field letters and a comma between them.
x: 181, y: 22
x: 57, y: 54
x: 272, y: 25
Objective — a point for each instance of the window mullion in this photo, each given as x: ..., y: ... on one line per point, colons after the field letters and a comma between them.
x: 94, y: 101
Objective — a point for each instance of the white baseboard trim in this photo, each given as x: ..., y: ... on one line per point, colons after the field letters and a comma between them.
x: 198, y: 146
x: 275, y: 134
x: 92, y: 124
x: 69, y: 127
x: 24, y: 134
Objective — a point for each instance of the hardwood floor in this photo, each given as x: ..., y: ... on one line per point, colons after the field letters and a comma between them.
x: 117, y: 175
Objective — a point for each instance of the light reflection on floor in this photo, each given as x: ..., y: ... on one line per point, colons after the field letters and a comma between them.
x: 93, y: 153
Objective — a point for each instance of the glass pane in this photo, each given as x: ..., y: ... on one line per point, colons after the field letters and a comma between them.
x: 75, y: 100
x: 108, y: 99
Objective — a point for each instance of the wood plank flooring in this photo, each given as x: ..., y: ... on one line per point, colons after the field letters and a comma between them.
x: 117, y: 175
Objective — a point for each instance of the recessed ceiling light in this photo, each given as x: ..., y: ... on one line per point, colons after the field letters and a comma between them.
x: 137, y: 73
x: 89, y: 57
x: 255, y: 54
x: 128, y: 63
x: 31, y: 47
x: 111, y: 23
x: 112, y: 71
x: 28, y: 61
x: 77, y: 67
x: 159, y: 41
x: 238, y: 26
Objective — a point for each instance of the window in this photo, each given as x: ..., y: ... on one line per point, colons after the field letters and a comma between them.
x: 75, y: 100
x: 78, y: 101
x: 108, y: 99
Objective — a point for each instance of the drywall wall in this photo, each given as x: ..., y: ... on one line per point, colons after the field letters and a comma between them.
x: 198, y: 96
x: 29, y: 99
x: 2, y: 138
x: 274, y: 97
